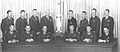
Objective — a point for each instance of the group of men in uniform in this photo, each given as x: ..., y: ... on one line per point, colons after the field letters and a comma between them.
x: 43, y: 30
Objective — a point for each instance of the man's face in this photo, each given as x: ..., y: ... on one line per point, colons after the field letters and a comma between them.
x: 11, y: 28
x: 34, y: 12
x: 70, y: 14
x: 106, y: 13
x: 28, y: 28
x: 71, y: 28
x: 83, y: 15
x: 88, y: 29
x: 93, y: 12
x: 23, y: 14
x: 47, y: 13
x: 106, y: 30
x: 44, y: 29
x: 10, y: 14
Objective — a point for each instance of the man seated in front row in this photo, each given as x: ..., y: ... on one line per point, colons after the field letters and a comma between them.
x: 44, y: 35
x: 88, y: 35
x: 28, y: 35
x: 11, y: 36
x: 71, y: 35
x: 106, y: 36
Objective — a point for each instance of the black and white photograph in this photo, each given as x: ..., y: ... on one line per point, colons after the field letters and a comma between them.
x: 59, y: 26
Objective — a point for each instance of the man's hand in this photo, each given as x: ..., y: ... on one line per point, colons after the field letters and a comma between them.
x: 13, y: 41
x: 71, y: 40
x: 100, y: 40
x: 46, y: 40
x: 87, y: 40
x: 38, y: 33
x: 29, y: 40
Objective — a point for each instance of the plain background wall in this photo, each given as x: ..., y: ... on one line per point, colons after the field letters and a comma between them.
x: 76, y: 5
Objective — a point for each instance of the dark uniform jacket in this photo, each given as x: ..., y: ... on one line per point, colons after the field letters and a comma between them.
x: 8, y: 36
x: 105, y: 37
x: 109, y: 22
x: 28, y: 35
x: 83, y: 25
x: 45, y: 36
x: 95, y: 23
x: 21, y: 24
x: 34, y: 23
x: 48, y: 23
x: 68, y: 35
x: 72, y: 21
x: 6, y: 22
x: 91, y: 36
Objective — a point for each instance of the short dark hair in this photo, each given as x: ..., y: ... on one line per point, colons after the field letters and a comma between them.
x: 22, y: 11
x: 94, y: 9
x: 44, y: 25
x: 83, y: 12
x: 35, y: 9
x: 106, y: 27
x: 9, y: 11
x: 70, y: 11
x: 89, y: 26
x: 107, y: 10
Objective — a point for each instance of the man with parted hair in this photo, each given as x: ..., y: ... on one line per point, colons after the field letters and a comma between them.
x: 71, y: 20
x: 11, y: 36
x: 28, y: 34
x: 88, y: 35
x: 6, y: 22
x: 34, y: 22
x: 83, y: 23
x: 107, y: 21
x: 106, y: 35
x: 21, y: 23
x: 95, y: 22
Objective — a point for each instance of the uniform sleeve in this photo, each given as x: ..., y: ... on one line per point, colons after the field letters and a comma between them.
x: 111, y: 36
x: 31, y: 23
x: 102, y: 36
x: 75, y: 24
x: 52, y: 25
x: 78, y: 37
x: 68, y: 26
x: 112, y: 24
x: 94, y: 36
x: 98, y: 25
x: 102, y: 25
x: 7, y: 37
x: 90, y: 21
x: 18, y: 23
x: 33, y: 35
x: 39, y: 38
x: 83, y: 36
x: 41, y: 24
x: 3, y: 26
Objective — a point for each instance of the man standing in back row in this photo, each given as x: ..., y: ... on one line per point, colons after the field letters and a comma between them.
x: 95, y: 23
x: 107, y: 21
x: 34, y: 22
x: 83, y: 23
x: 6, y: 22
x: 21, y: 24
x: 71, y: 21
x: 48, y: 21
